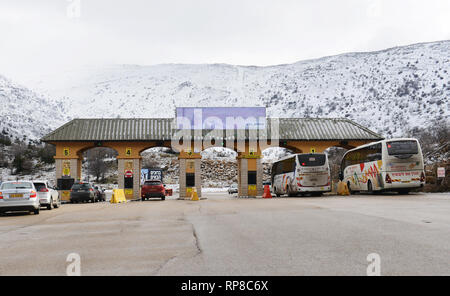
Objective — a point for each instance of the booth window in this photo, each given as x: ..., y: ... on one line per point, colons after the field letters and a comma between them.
x: 65, y: 183
x: 128, y: 183
x: 251, y: 177
x: 190, y: 180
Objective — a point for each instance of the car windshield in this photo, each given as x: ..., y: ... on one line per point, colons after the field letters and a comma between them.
x: 81, y: 186
x: 311, y: 159
x: 17, y: 185
x: 152, y: 183
x: 402, y: 147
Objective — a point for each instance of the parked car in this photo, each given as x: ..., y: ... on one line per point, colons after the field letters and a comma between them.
x: 153, y: 189
x: 19, y: 196
x: 100, y: 192
x: 233, y: 189
x: 48, y: 196
x: 82, y: 192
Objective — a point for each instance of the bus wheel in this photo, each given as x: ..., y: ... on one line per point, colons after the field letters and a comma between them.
x: 350, y: 188
x: 289, y: 192
x: 276, y: 192
x: 369, y: 187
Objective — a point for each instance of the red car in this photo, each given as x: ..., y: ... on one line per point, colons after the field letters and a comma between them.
x: 153, y: 189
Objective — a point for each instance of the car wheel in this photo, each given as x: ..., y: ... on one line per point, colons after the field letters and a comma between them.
x: 50, y: 205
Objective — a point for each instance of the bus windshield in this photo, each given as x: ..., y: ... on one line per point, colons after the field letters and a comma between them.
x: 309, y: 160
x: 402, y: 147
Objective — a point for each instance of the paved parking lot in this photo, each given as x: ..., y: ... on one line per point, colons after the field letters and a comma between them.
x: 224, y: 235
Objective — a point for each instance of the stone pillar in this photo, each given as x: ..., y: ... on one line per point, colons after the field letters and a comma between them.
x: 120, y: 173
x: 247, y: 163
x: 198, y: 176
x: 136, y: 178
x: 69, y: 168
x: 182, y: 178
x: 259, y: 177
x: 58, y: 168
x: 79, y: 169
x: 243, y: 177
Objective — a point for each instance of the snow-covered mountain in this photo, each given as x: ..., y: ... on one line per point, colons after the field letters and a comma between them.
x: 389, y: 91
x: 26, y: 114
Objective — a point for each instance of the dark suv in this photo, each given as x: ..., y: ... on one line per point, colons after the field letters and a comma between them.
x: 82, y: 192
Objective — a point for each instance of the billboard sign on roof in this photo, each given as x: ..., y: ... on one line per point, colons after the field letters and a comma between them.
x: 209, y: 118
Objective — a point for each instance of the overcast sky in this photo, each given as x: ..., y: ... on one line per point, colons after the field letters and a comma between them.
x: 41, y: 35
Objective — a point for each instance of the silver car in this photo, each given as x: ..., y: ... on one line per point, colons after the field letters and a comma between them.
x: 48, y: 196
x: 19, y: 196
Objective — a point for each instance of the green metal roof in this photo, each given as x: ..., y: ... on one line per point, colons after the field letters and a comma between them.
x: 148, y: 129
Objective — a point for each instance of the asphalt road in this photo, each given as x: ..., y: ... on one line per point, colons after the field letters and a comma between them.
x: 226, y: 235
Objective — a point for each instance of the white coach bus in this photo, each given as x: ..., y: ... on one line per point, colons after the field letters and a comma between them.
x: 389, y: 165
x: 299, y: 174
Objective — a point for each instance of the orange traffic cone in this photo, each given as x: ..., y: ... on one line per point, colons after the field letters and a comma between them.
x: 267, y: 193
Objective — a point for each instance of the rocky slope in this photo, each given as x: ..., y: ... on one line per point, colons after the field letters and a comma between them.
x: 26, y: 114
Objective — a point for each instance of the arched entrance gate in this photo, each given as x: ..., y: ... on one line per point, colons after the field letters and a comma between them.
x: 129, y: 137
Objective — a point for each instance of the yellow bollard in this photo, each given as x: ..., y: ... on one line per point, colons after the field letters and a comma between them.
x: 342, y: 189
x: 194, y: 195
x: 118, y: 196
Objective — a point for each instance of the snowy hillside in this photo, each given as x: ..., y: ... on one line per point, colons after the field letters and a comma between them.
x: 24, y: 113
x: 388, y: 91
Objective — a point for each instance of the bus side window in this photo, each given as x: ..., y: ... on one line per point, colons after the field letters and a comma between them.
x: 287, y: 165
x: 279, y: 168
x: 373, y: 153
